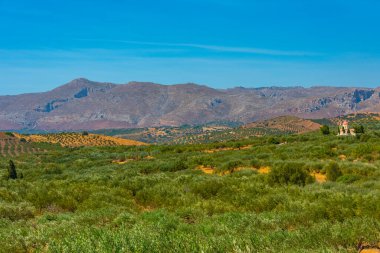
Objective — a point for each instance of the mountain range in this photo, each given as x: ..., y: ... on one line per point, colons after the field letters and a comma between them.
x: 84, y: 104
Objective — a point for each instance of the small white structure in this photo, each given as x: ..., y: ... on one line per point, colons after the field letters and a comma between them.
x: 344, y: 129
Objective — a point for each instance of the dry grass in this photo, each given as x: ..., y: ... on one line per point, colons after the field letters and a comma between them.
x: 319, y: 177
x: 120, y: 162
x: 210, y: 170
x: 206, y: 170
x: 264, y: 170
x: 370, y: 251
x: 342, y: 157
x: 211, y: 151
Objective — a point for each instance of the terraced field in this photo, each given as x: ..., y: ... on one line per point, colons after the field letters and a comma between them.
x: 12, y: 147
x: 78, y: 140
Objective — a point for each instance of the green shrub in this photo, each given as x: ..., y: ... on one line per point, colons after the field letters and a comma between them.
x: 10, y: 134
x: 255, y: 163
x: 273, y: 140
x: 325, y: 130
x: 232, y: 165
x: 364, y: 137
x: 289, y: 173
x: 348, y: 179
x: 333, y: 171
x: 359, y: 129
x: 12, y: 173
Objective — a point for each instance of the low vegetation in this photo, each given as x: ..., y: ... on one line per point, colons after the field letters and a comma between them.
x: 281, y: 193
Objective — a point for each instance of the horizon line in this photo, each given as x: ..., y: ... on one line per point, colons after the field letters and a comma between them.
x: 198, y: 84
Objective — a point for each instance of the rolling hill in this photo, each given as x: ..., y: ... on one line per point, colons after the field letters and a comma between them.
x: 287, y: 124
x: 78, y: 140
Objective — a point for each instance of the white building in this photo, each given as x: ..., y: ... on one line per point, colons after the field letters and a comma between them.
x: 344, y: 129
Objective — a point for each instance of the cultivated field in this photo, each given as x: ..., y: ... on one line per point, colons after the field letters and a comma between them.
x: 11, y: 146
x: 79, y: 139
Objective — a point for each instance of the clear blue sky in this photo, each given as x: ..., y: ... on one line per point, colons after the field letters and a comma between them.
x: 221, y: 43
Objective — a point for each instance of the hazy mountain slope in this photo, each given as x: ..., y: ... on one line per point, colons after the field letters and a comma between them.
x: 83, y: 104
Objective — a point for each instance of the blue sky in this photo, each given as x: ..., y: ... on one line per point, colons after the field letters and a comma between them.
x: 220, y: 43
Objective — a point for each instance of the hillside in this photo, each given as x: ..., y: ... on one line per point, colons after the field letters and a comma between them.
x: 276, y: 126
x: 369, y: 120
x: 286, y: 124
x: 83, y: 104
x: 78, y: 140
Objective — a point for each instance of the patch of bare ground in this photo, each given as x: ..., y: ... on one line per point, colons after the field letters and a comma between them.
x: 364, y: 247
x: 210, y: 151
x: 342, y: 157
x: 210, y: 170
x: 373, y: 250
x: 319, y: 177
x: 120, y: 162
x: 206, y: 169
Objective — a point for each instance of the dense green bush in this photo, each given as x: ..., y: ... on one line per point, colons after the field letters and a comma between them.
x: 232, y: 165
x: 289, y: 173
x: 325, y: 130
x: 333, y: 171
x: 12, y: 173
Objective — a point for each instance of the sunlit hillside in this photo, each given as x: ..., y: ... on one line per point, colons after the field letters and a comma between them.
x: 79, y: 139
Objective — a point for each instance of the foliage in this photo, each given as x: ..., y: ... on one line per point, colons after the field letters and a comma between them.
x: 333, y: 171
x: 359, y: 129
x: 12, y: 173
x: 289, y: 173
x: 325, y: 129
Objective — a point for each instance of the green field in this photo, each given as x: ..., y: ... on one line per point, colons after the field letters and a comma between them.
x: 190, y: 134
x: 154, y: 199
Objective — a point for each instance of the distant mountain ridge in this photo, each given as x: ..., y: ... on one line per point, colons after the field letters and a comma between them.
x: 84, y: 104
